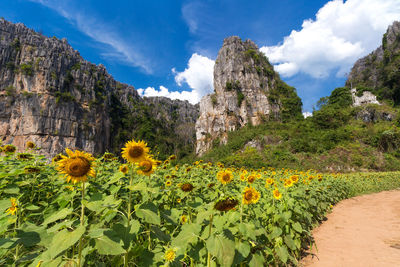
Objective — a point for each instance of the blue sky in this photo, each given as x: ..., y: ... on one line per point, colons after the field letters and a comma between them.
x: 168, y: 47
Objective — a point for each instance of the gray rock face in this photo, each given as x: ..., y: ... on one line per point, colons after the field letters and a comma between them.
x: 366, y: 98
x: 371, y: 114
x: 368, y: 71
x: 243, y: 79
x: 50, y: 95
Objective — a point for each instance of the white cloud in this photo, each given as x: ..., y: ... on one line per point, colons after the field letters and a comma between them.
x: 100, y: 32
x: 307, y: 114
x: 340, y: 34
x: 192, y: 96
x: 199, y: 74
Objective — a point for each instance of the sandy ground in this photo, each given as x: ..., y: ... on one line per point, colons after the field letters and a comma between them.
x: 361, y: 231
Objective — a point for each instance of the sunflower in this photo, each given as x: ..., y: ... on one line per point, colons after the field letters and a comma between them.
x: 288, y: 183
x: 251, y: 178
x: 168, y: 183
x: 277, y: 194
x: 146, y: 166
x: 172, y: 157
x: 9, y: 148
x: 178, y: 200
x: 30, y: 145
x: 57, y: 158
x: 210, y: 185
x: 135, y: 152
x: 226, y: 204
x: 124, y: 168
x: 13, y: 209
x: 23, y: 156
x: 187, y: 187
x: 77, y: 166
x: 183, y: 219
x: 250, y: 195
x: 225, y: 176
x: 31, y: 169
x: 170, y: 254
x: 108, y: 156
x: 294, y: 178
x: 188, y: 169
x: 270, y: 181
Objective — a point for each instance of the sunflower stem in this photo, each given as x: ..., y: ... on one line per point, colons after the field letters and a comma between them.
x: 129, y: 212
x: 209, y: 234
x: 82, y: 222
x: 149, y: 247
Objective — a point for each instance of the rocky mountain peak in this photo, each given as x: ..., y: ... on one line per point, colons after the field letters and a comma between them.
x: 50, y: 95
x: 247, y: 90
x: 379, y: 72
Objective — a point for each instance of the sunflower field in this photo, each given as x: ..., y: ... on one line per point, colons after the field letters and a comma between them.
x: 80, y: 210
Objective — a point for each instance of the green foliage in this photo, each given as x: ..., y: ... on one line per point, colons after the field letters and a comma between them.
x: 64, y: 97
x: 27, y: 69
x: 240, y: 98
x: 214, y: 100
x: 232, y: 86
x: 340, y: 97
x: 10, y: 65
x: 10, y: 90
x: 16, y: 44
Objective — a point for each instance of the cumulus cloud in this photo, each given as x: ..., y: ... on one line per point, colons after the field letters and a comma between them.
x: 307, y: 114
x: 191, y: 96
x: 341, y: 33
x: 101, y: 32
x: 198, y: 75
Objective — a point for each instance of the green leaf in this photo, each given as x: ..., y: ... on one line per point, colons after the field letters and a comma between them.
x: 243, y: 248
x: 11, y: 190
x: 64, y: 240
x: 248, y: 230
x: 116, y: 177
x: 289, y: 242
x: 141, y: 187
x: 256, y: 260
x: 28, y: 239
x: 57, y: 216
x: 32, y: 207
x: 188, y: 234
x: 276, y: 232
x: 282, y: 253
x: 109, y: 244
x: 148, y: 212
x: 222, y: 248
x: 297, y: 227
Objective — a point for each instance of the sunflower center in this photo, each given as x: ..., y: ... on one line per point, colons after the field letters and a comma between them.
x: 78, y: 167
x: 136, y: 151
x: 248, y: 195
x: 226, y: 177
x: 146, y: 166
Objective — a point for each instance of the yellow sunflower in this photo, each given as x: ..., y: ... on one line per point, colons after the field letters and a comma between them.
x: 250, y: 195
x: 9, y: 148
x: 124, y: 168
x: 168, y: 183
x: 251, y: 178
x: 294, y: 178
x: 183, y: 219
x: 288, y: 183
x: 13, y: 209
x: 170, y: 255
x: 77, y: 166
x: 135, y: 152
x: 277, y: 194
x: 225, y: 176
x: 146, y: 166
x: 30, y: 145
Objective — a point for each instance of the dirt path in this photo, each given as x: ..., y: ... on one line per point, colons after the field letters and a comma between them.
x: 361, y: 231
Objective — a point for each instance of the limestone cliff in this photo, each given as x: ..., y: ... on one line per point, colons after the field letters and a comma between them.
x: 50, y: 95
x: 247, y: 90
x: 379, y: 72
